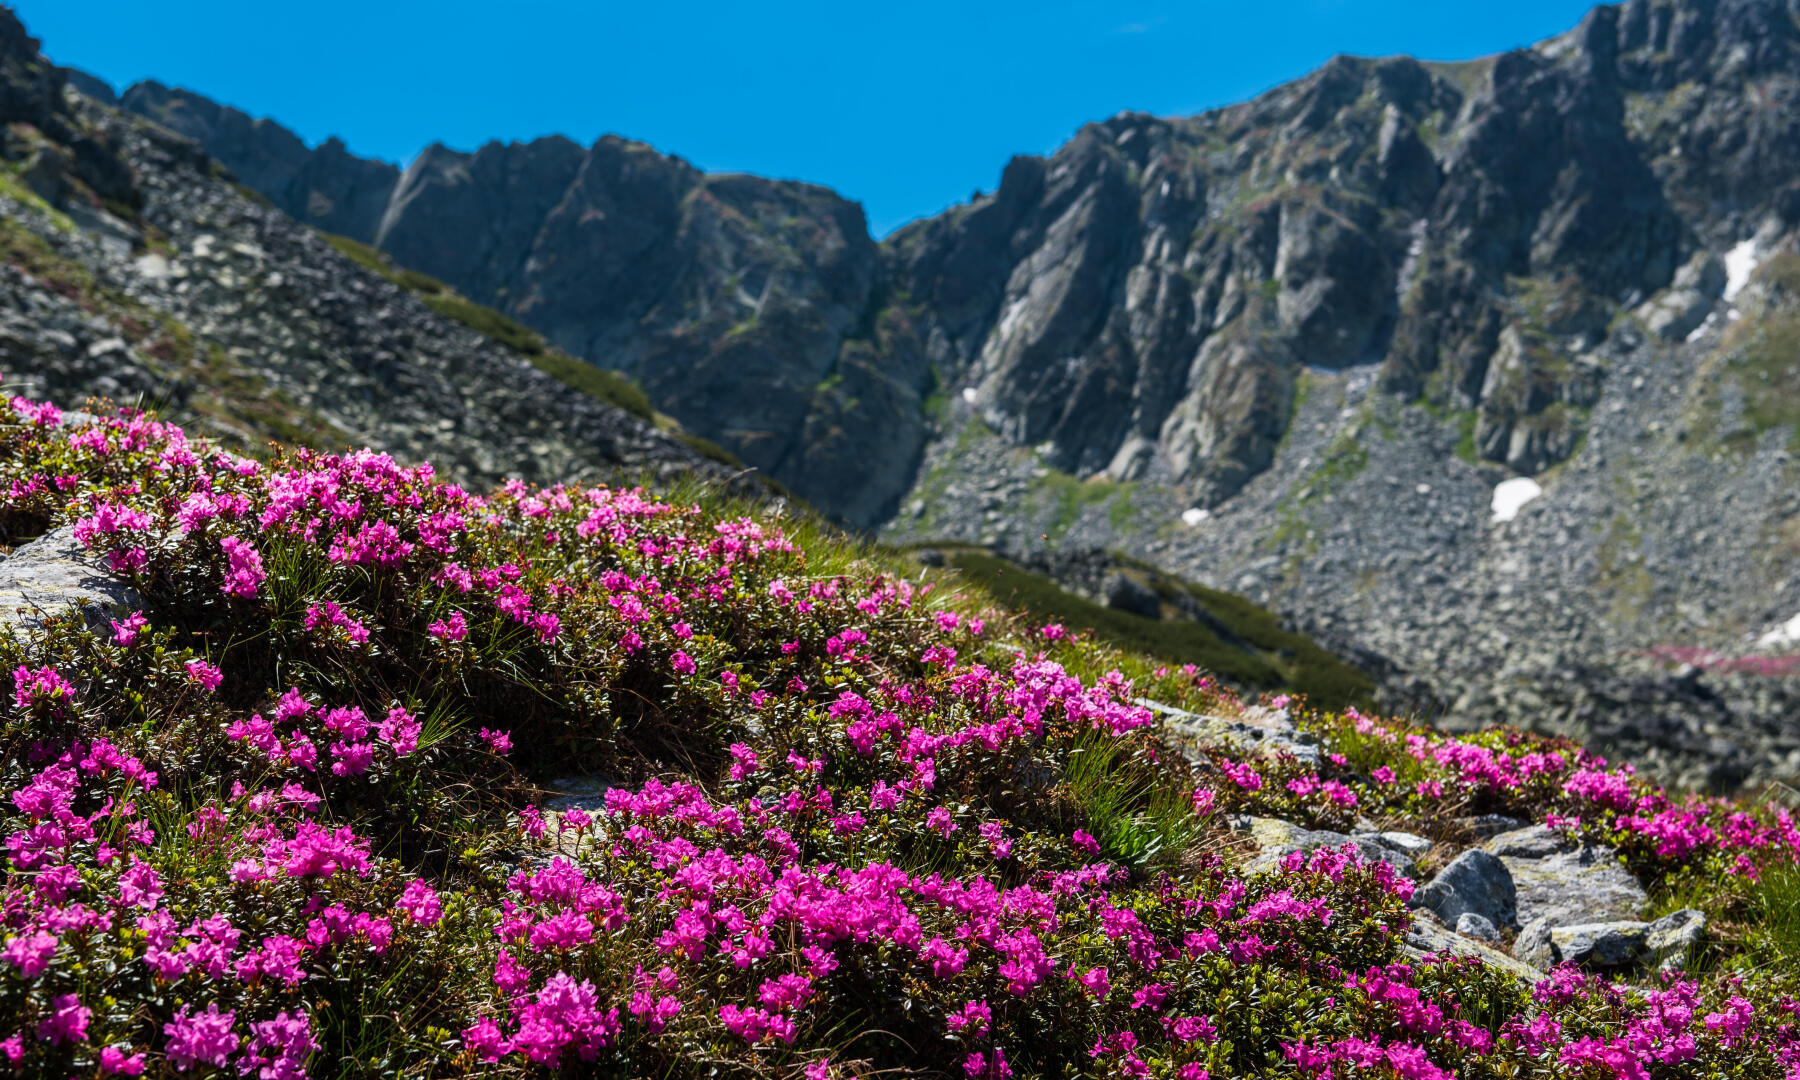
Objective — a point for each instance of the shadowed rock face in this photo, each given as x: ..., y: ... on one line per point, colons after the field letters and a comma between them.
x: 1139, y: 303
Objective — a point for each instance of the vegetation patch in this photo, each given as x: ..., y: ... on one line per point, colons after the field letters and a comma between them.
x: 288, y: 819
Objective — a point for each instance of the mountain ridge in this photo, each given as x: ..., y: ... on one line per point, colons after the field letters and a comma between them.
x: 1288, y: 347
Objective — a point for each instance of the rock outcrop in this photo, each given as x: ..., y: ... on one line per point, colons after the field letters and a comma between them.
x: 53, y: 575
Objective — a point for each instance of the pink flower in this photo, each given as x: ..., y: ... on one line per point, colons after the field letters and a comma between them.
x: 352, y: 758
x: 485, y: 1040
x: 682, y: 663
x: 420, y: 903
x: 499, y: 742
x: 939, y: 822
x: 115, y: 1062
x: 30, y: 952
x: 455, y: 628
x: 278, y: 1048
x: 244, y: 573
x: 973, y: 1019
x: 44, y: 685
x: 205, y: 674
x: 400, y: 731
x: 126, y: 633
x: 200, y: 1038
x: 1096, y: 983
x: 67, y: 1022
x: 743, y: 761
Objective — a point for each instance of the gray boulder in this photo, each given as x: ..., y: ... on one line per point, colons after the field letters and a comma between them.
x: 1475, y: 882
x: 1533, y: 947
x: 1565, y: 882
x: 1599, y: 945
x: 1666, y: 944
x: 53, y: 574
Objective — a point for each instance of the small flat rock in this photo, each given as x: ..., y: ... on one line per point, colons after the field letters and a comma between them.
x: 1258, y: 730
x: 1469, y: 924
x: 1486, y: 825
x: 1429, y: 936
x: 1278, y: 839
x: 1475, y: 881
x: 1533, y: 842
x: 53, y: 574
x: 1409, y: 844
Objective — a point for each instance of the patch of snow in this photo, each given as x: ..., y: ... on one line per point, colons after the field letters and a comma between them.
x: 1510, y: 496
x: 154, y: 266
x: 1700, y: 331
x: 969, y: 394
x: 1740, y: 263
x: 1194, y: 515
x: 1788, y: 633
x: 1423, y: 489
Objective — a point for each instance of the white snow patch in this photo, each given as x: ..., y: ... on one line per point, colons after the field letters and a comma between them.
x: 969, y: 394
x: 1740, y: 263
x: 1700, y: 331
x: 1510, y: 496
x: 154, y: 266
x: 1788, y: 633
x: 1194, y: 515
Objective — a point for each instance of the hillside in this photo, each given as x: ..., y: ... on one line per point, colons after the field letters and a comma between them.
x: 1287, y: 348
x: 346, y: 771
x: 132, y: 267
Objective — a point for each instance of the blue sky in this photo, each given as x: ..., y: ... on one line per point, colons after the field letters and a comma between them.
x: 906, y: 107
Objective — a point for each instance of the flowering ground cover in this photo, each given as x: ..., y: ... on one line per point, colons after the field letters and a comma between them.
x: 288, y: 819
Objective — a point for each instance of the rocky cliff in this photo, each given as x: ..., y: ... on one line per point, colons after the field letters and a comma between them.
x: 1290, y: 347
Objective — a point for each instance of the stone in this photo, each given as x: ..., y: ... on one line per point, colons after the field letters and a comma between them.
x: 1565, y: 882
x: 1277, y: 839
x: 1533, y: 947
x: 1256, y: 730
x: 1469, y: 924
x: 1409, y: 844
x: 1670, y: 941
x: 1488, y: 825
x: 54, y: 574
x: 1475, y: 881
x: 1599, y: 945
x: 1429, y: 937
